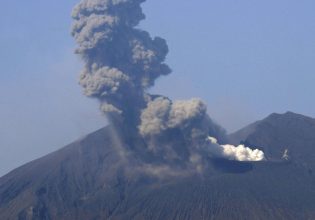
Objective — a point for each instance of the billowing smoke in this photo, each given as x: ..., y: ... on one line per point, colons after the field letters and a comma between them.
x: 162, y: 115
x: 121, y: 62
x: 239, y: 153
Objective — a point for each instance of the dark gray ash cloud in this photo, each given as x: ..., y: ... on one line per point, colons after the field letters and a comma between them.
x: 121, y: 62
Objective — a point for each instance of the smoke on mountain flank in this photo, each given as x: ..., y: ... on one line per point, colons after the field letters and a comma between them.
x: 121, y: 62
x: 239, y: 153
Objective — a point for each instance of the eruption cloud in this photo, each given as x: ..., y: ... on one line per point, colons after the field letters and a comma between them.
x: 121, y: 62
x: 239, y: 153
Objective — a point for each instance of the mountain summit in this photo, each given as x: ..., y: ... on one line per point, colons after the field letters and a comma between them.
x: 88, y: 180
x: 289, y: 133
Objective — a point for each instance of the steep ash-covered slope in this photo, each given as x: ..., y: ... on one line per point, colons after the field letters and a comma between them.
x: 88, y: 180
x: 57, y: 184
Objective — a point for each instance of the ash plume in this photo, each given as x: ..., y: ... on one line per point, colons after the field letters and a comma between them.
x: 121, y: 62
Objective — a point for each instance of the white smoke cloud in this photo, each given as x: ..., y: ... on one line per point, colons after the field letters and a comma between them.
x: 238, y: 153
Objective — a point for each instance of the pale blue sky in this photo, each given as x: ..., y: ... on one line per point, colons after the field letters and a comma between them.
x: 245, y: 58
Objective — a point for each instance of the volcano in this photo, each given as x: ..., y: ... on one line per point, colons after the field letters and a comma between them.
x: 88, y: 180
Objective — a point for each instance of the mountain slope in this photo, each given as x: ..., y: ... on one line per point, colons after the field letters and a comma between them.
x: 279, y: 132
x: 86, y: 180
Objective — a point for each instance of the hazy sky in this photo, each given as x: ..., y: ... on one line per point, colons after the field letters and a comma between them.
x: 245, y: 58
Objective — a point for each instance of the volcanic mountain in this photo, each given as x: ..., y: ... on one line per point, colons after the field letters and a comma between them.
x: 88, y: 180
x: 278, y: 133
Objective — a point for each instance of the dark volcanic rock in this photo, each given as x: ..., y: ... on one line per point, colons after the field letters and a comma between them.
x: 86, y: 180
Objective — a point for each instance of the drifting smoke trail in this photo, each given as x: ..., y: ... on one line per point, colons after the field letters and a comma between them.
x: 121, y: 63
x: 239, y: 153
